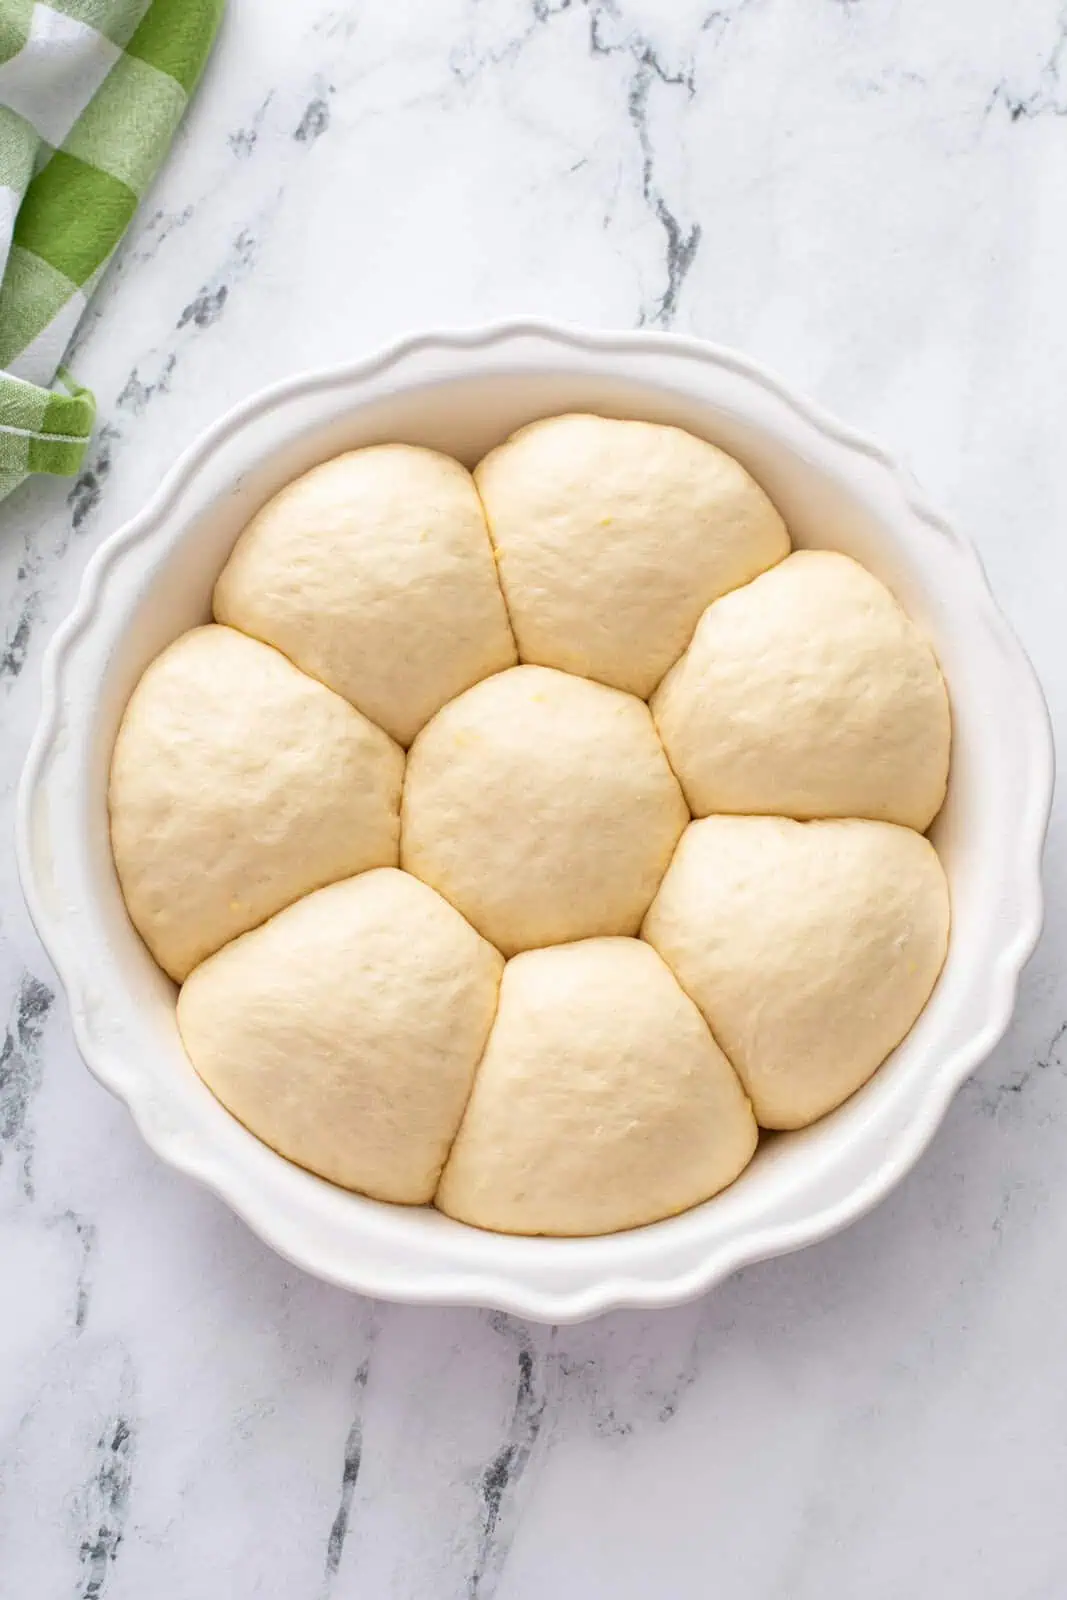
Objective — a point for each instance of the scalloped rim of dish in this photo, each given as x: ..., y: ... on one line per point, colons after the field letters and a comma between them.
x: 996, y: 998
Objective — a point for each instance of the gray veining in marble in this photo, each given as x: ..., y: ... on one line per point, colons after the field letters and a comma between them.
x: 868, y: 195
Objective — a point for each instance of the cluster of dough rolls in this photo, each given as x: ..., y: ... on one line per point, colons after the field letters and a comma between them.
x: 523, y: 842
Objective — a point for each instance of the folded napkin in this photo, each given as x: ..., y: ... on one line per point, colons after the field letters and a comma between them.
x: 91, y: 92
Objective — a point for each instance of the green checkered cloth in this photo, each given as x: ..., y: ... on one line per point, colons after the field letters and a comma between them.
x: 91, y: 92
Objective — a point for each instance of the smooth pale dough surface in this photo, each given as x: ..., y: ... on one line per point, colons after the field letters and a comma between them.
x: 345, y: 1032
x: 602, y: 1101
x: 374, y: 573
x: 237, y: 785
x: 810, y: 948
x: 809, y: 694
x: 612, y: 537
x: 542, y: 806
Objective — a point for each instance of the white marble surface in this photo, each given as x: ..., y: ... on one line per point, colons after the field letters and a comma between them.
x: 869, y: 195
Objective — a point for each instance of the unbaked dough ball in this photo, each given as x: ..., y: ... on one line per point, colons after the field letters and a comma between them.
x: 542, y: 807
x: 612, y: 537
x: 374, y: 572
x: 345, y: 1032
x: 809, y: 694
x: 602, y: 1101
x: 238, y: 784
x: 810, y: 948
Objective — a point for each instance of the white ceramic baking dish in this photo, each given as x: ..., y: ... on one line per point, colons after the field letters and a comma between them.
x: 462, y: 393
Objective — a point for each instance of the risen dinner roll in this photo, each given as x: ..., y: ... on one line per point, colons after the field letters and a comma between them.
x: 237, y: 784
x: 374, y: 572
x: 346, y: 1030
x: 612, y: 537
x: 810, y: 948
x: 542, y: 807
x: 808, y: 693
x: 602, y: 1101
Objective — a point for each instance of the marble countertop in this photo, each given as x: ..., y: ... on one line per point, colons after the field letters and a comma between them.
x: 868, y: 195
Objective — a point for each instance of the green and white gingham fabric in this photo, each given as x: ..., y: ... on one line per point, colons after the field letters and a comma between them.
x: 91, y: 92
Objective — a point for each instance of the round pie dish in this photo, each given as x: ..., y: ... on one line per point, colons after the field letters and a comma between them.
x: 462, y: 393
